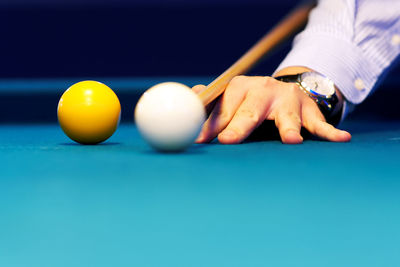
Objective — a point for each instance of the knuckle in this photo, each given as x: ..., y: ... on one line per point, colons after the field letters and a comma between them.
x: 220, y: 115
x: 269, y: 81
x: 290, y: 115
x: 249, y: 114
x: 294, y: 116
x: 257, y: 93
x: 288, y: 119
x: 238, y: 80
x: 293, y: 88
x: 224, y: 116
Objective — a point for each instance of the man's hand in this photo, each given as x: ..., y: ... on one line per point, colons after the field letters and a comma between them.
x: 248, y: 101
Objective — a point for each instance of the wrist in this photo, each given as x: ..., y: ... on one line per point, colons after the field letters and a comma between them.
x: 318, y: 87
x: 293, y: 70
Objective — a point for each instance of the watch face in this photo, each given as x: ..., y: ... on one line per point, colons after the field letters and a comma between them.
x: 317, y: 84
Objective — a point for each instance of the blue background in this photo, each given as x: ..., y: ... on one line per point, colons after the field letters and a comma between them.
x: 92, y: 38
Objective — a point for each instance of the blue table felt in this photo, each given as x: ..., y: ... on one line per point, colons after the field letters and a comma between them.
x: 254, y: 204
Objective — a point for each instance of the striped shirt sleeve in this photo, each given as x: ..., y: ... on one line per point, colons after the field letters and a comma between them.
x: 353, y: 42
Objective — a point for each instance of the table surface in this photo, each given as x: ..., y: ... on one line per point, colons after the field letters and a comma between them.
x: 254, y: 204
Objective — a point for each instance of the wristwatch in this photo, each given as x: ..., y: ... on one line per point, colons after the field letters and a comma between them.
x: 320, y: 88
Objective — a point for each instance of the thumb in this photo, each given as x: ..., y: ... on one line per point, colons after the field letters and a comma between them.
x: 198, y: 88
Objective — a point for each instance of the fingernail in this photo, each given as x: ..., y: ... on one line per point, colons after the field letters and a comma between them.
x: 229, y: 134
x: 293, y: 137
x: 200, y: 138
x: 345, y: 136
x: 228, y: 137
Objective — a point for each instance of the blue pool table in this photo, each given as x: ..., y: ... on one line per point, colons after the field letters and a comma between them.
x: 260, y: 203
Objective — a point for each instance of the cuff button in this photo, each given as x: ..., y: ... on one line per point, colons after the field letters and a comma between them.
x: 395, y: 40
x: 359, y: 84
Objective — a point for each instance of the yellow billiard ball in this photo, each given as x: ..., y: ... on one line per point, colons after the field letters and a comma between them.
x: 89, y: 112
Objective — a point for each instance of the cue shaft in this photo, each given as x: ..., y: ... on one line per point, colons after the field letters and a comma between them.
x: 280, y: 33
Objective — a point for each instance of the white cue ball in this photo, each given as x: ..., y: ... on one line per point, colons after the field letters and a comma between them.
x: 169, y: 116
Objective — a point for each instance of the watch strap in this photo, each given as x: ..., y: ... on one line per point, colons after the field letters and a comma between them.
x: 293, y: 78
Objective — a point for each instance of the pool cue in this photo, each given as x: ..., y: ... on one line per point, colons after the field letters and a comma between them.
x: 291, y: 24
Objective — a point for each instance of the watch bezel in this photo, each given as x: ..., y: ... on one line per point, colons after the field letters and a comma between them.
x: 317, y: 94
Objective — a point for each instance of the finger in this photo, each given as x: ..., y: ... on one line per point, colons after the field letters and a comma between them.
x: 198, y: 88
x: 208, y: 126
x: 224, y: 110
x: 288, y: 117
x: 315, y: 123
x: 251, y: 113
